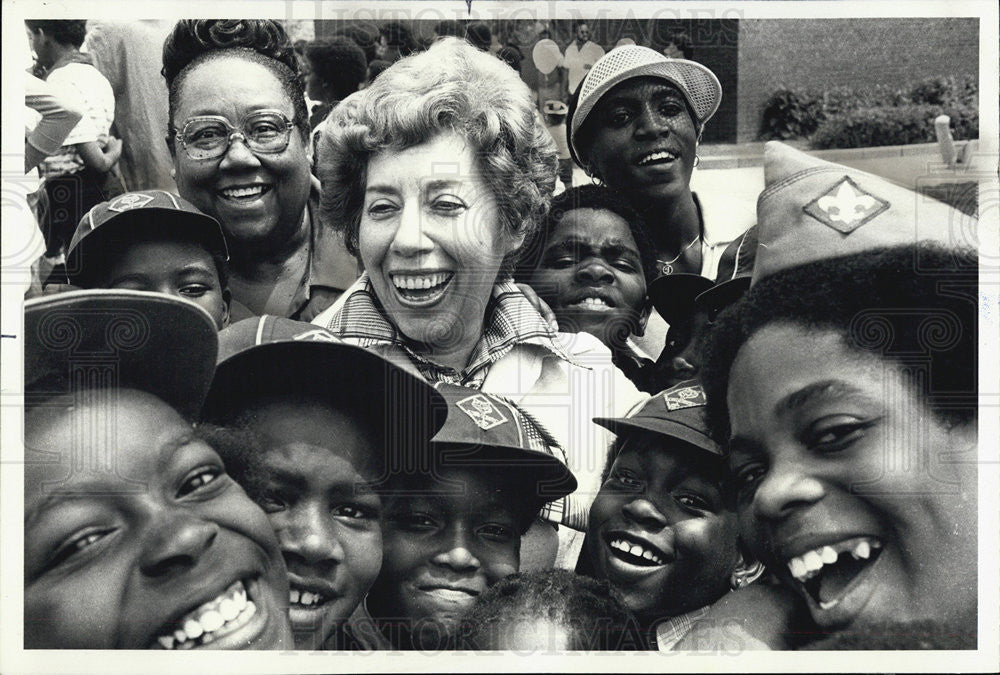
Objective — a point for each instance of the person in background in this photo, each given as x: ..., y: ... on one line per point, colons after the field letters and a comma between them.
x: 479, y: 35
x: 74, y: 175
x: 395, y: 41
x: 555, y: 122
x: 128, y: 53
x: 334, y: 69
x: 678, y: 46
x: 376, y: 68
x: 581, y: 54
x: 239, y: 137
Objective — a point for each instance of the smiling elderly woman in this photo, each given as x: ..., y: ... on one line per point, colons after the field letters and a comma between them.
x: 437, y: 174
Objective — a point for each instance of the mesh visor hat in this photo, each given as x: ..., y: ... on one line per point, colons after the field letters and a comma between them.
x: 698, y: 84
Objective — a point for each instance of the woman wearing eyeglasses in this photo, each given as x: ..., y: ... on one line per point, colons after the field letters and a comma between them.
x: 239, y: 135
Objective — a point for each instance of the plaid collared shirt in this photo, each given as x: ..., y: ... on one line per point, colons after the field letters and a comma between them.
x: 670, y: 631
x: 510, y: 320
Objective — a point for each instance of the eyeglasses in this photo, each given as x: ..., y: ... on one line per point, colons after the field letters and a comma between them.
x: 208, y: 137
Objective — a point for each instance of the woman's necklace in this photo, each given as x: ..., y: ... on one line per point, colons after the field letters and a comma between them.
x: 667, y: 266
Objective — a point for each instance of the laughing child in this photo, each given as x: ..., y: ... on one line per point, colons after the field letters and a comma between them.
x: 135, y: 536
x: 845, y: 386
x: 453, y: 524
x: 591, y: 262
x: 662, y: 529
x: 309, y: 426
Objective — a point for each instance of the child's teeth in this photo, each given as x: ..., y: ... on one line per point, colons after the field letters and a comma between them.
x: 862, y: 550
x: 648, y: 555
x: 828, y: 555
x: 193, y: 629
x: 797, y: 568
x: 167, y: 641
x: 228, y: 609
x: 813, y: 561
x: 180, y: 635
x: 293, y: 595
x: 636, y: 551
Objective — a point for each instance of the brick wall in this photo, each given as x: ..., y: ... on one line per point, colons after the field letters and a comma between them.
x: 798, y: 53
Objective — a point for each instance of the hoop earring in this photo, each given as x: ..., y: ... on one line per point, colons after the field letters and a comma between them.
x: 596, y: 180
x: 697, y: 160
x: 744, y: 576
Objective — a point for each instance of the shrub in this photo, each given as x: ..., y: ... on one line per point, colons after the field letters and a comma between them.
x: 893, y: 125
x: 837, y: 116
x: 790, y: 115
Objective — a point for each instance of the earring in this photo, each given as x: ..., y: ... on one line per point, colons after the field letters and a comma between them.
x: 744, y: 576
x: 596, y: 180
x: 697, y: 160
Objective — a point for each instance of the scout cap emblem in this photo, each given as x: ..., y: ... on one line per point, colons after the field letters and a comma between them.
x: 133, y: 200
x: 481, y: 411
x: 845, y: 207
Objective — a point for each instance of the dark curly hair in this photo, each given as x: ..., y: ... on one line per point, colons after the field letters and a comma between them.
x: 892, y: 303
x: 63, y: 31
x: 261, y: 41
x: 596, y: 617
x: 588, y: 197
x: 339, y: 63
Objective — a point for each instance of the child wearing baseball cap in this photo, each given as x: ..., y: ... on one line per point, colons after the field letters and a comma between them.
x: 154, y: 241
x: 454, y: 518
x: 134, y: 535
x: 662, y: 529
x: 310, y: 426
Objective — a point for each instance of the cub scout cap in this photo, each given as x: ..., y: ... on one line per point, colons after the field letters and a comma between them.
x: 678, y: 412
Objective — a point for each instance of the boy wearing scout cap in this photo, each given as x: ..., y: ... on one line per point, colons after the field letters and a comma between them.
x: 134, y: 535
x: 845, y: 386
x: 310, y: 427
x: 555, y: 121
x: 454, y: 521
x: 154, y: 241
x: 662, y: 529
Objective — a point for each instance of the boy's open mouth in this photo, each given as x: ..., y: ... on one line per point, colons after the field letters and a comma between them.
x: 421, y: 289
x: 300, y: 598
x: 635, y: 551
x: 828, y: 572
x: 227, y: 612
x: 594, y: 304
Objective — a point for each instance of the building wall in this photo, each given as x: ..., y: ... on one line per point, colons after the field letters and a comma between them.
x: 814, y: 54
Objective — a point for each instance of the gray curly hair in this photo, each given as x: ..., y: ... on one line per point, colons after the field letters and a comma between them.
x: 451, y: 87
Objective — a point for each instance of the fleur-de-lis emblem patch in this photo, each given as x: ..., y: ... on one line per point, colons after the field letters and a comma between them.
x: 845, y: 207
x: 133, y: 200
x: 482, y: 411
x: 684, y: 397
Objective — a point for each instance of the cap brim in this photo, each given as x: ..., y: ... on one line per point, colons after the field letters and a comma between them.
x: 156, y: 343
x: 403, y: 401
x: 206, y: 229
x: 666, y: 70
x: 664, y: 427
x: 553, y: 479
x: 676, y: 293
x: 720, y: 296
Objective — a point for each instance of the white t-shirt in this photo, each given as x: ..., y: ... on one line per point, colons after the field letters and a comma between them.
x: 88, y: 91
x: 578, y: 61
